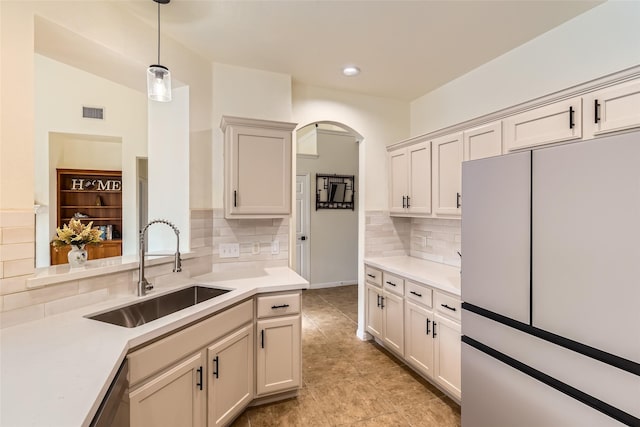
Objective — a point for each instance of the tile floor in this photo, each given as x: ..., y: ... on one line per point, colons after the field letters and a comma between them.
x: 348, y: 382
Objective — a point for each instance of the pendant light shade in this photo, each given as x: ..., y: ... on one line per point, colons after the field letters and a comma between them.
x: 159, y: 76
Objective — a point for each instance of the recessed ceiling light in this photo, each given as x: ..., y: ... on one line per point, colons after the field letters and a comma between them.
x: 351, y: 71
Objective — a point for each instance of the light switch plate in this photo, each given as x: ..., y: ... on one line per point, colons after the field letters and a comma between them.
x: 229, y: 250
x: 275, y: 247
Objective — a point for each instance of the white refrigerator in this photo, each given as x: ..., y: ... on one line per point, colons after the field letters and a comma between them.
x: 551, y: 286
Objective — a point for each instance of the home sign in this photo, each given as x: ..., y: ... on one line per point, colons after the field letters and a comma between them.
x: 96, y: 184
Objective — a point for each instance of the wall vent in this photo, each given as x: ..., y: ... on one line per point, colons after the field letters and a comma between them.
x: 93, y: 113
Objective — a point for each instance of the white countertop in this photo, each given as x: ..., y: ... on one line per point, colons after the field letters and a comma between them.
x: 56, y: 371
x: 439, y: 276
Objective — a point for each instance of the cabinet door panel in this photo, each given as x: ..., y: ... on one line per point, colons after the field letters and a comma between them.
x: 447, y: 355
x: 278, y: 363
x: 496, y: 229
x: 617, y: 108
x: 419, y: 340
x: 483, y: 141
x: 398, y: 188
x: 374, y: 312
x: 173, y: 398
x: 419, y: 178
x: 230, y: 376
x: 393, y: 318
x: 447, y: 174
x: 544, y: 125
x: 585, y: 249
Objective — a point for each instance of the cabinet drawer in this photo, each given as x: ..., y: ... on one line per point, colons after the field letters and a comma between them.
x: 278, y: 305
x: 373, y: 275
x: 418, y: 293
x: 156, y: 356
x: 447, y: 305
x: 393, y: 283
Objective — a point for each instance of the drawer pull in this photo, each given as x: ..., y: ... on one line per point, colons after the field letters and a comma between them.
x: 428, y: 331
x: 274, y: 307
x: 416, y: 294
x: 596, y: 112
x: 434, y: 330
x: 216, y: 370
x: 571, y: 122
x: 391, y: 283
x: 199, y: 383
x: 373, y: 276
x: 447, y: 307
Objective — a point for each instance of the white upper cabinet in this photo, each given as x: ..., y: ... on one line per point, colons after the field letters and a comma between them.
x: 612, y: 109
x: 557, y: 122
x: 483, y: 141
x: 447, y: 174
x: 257, y: 160
x: 410, y: 180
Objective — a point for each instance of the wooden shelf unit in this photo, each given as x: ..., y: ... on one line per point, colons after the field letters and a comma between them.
x: 97, y: 194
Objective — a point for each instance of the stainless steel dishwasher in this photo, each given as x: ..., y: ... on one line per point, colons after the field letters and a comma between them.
x: 114, y: 409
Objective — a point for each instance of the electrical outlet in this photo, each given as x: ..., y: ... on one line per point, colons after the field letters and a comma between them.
x: 229, y: 250
x: 256, y: 248
x: 275, y: 247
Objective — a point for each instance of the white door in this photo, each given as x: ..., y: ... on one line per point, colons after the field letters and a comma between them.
x: 398, y: 175
x: 419, y: 339
x: 278, y: 355
x: 447, y: 174
x: 447, y: 350
x: 393, y: 322
x: 302, y: 225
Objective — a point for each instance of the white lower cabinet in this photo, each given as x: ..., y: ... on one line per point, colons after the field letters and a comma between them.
x: 230, y: 376
x: 278, y: 356
x: 424, y: 331
x: 175, y: 397
x: 278, y: 349
x: 447, y: 345
x: 419, y: 339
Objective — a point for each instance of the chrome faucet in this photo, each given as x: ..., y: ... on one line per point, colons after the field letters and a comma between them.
x: 143, y: 284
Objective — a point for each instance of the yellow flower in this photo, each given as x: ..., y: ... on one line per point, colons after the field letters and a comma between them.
x: 77, y: 234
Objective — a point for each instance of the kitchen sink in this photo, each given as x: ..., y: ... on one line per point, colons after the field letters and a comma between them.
x: 148, y: 310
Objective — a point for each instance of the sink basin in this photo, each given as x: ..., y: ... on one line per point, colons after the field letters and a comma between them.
x: 148, y: 310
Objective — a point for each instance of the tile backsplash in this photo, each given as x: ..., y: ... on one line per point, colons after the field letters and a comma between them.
x: 434, y: 239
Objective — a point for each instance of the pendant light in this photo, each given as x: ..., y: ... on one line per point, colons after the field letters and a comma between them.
x: 159, y: 76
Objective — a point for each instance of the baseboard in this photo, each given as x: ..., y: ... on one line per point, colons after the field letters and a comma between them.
x: 333, y: 284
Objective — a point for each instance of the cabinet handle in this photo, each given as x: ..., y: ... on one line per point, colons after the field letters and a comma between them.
x: 199, y: 383
x: 434, y: 329
x: 378, y: 300
x: 458, y: 204
x: 373, y: 276
x: 428, y: 331
x: 408, y: 205
x: 216, y: 369
x: 274, y: 307
x: 391, y: 283
x: 416, y: 294
x: 403, y: 202
x: 571, y: 123
x: 596, y: 111
x: 262, y: 338
x: 235, y: 198
x: 381, y: 302
x: 450, y: 308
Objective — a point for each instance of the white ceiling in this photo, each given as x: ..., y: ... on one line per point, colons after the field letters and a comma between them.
x: 404, y: 48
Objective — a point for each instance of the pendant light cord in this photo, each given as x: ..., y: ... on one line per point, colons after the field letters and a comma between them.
x: 158, y: 32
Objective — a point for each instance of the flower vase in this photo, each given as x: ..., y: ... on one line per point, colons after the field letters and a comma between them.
x: 77, y: 256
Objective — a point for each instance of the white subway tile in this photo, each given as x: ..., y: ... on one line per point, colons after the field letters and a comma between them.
x: 101, y: 282
x: 16, y: 218
x: 14, y: 251
x: 13, y: 284
x: 38, y: 296
x: 71, y: 303
x: 19, y: 267
x: 17, y: 235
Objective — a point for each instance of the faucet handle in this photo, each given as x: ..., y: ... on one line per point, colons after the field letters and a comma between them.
x: 148, y: 286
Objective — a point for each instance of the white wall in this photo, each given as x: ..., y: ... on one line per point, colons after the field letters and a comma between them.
x: 601, y: 41
x: 333, y: 239
x: 168, y: 170
x: 62, y: 91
